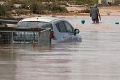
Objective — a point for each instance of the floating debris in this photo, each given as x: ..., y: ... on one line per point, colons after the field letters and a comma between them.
x: 82, y: 21
x: 116, y: 22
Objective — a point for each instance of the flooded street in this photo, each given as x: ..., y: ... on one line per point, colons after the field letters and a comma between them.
x: 97, y: 57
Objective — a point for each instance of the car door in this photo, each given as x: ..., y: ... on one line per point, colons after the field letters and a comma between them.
x: 70, y: 30
x: 65, y: 31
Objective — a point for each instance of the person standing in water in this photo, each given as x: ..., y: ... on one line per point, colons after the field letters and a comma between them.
x: 94, y: 14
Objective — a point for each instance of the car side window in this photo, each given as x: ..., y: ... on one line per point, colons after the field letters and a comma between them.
x: 61, y: 27
x: 64, y: 26
x: 69, y: 27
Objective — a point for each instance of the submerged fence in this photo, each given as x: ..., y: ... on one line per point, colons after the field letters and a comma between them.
x: 33, y: 36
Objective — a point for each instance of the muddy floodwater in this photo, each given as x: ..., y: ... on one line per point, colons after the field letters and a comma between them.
x: 97, y: 57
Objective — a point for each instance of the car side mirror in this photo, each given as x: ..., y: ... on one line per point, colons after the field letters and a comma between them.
x: 76, y: 31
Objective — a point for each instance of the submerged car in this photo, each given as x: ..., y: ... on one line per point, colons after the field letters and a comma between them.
x: 61, y: 30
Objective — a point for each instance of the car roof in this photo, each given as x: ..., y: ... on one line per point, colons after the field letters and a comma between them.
x: 43, y: 19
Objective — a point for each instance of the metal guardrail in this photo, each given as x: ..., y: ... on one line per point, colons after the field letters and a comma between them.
x: 25, y: 36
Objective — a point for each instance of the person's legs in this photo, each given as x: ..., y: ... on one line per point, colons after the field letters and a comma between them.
x: 93, y: 21
x: 96, y: 20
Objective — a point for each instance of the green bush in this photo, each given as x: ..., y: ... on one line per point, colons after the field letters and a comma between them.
x: 56, y: 8
x: 2, y: 10
x: 37, y: 8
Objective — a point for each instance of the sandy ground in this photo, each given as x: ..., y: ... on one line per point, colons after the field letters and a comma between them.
x: 109, y: 10
x: 113, y: 10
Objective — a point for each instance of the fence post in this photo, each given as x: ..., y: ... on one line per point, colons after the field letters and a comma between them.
x: 12, y: 38
x: 39, y: 38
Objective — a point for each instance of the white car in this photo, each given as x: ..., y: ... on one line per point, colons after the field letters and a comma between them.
x: 62, y: 30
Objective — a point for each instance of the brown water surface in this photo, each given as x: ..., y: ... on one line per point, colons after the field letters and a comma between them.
x: 97, y: 57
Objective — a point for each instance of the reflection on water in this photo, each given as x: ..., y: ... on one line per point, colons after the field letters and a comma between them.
x: 95, y: 58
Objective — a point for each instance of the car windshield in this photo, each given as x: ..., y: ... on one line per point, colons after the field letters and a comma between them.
x: 34, y: 24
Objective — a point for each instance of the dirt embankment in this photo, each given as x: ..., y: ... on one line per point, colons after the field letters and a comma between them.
x: 109, y: 10
x: 73, y: 11
x: 112, y: 10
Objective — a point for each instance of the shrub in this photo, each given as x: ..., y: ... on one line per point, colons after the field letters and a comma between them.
x: 56, y: 8
x: 2, y: 11
x: 37, y: 8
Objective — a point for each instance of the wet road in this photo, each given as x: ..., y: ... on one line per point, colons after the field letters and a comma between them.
x: 97, y: 57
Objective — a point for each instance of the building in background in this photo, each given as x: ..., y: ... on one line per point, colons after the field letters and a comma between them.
x: 108, y: 2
